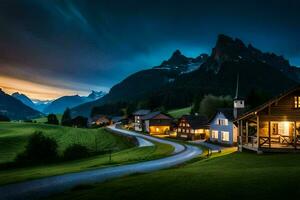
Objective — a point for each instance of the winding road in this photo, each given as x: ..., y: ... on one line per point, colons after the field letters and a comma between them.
x: 52, y: 185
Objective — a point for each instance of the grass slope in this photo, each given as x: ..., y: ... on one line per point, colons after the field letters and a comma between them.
x: 44, y: 119
x: 179, y: 112
x: 123, y: 157
x: 231, y: 176
x: 14, y: 137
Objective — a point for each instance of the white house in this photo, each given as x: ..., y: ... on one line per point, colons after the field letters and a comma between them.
x: 138, y: 124
x: 222, y: 129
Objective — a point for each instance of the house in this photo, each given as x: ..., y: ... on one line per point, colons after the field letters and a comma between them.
x: 157, y: 123
x: 273, y: 126
x: 138, y: 126
x: 99, y: 120
x: 222, y: 128
x: 193, y: 127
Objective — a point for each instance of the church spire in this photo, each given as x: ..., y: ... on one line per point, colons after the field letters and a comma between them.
x: 237, y: 86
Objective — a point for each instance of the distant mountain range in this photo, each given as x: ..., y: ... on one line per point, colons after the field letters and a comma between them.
x: 59, y: 105
x: 177, y: 81
x: 15, y: 109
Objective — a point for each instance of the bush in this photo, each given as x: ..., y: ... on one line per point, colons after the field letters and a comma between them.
x: 76, y: 151
x: 40, y: 149
x: 52, y: 119
x: 4, y: 118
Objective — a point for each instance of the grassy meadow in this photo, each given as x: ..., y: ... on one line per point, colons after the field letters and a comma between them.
x: 179, y: 112
x: 229, y: 175
x: 44, y: 119
x: 14, y: 136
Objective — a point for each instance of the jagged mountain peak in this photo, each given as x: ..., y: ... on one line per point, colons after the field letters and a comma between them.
x: 176, y: 59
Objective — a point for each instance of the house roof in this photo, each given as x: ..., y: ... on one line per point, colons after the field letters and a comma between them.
x: 141, y: 112
x: 227, y: 112
x: 196, y: 122
x: 265, y: 105
x: 154, y: 114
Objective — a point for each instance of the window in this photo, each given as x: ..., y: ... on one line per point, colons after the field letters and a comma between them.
x: 214, y: 134
x: 179, y: 129
x: 222, y: 122
x: 225, y: 136
x: 296, y: 101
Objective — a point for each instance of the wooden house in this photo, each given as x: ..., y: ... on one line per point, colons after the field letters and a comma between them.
x: 192, y: 127
x: 99, y: 120
x: 138, y: 125
x: 157, y: 123
x: 222, y: 128
x: 273, y: 126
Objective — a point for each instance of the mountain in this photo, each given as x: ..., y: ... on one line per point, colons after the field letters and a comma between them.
x: 59, y: 105
x: 175, y: 83
x: 142, y: 84
x: 15, y: 109
x: 24, y: 99
x: 94, y: 95
x: 40, y: 105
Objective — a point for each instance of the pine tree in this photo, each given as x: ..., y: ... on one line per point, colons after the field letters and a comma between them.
x: 66, y: 119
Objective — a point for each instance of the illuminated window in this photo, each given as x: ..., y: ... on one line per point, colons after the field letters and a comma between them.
x: 214, y: 134
x: 222, y: 122
x: 192, y: 131
x: 179, y: 130
x: 225, y: 136
x: 297, y: 101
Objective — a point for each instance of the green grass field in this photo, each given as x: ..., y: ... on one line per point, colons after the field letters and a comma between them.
x: 13, y: 138
x: 44, y: 119
x: 231, y: 175
x: 179, y: 112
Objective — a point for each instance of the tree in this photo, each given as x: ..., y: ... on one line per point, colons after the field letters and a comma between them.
x: 52, y: 119
x: 209, y: 104
x: 66, y: 119
x: 40, y: 149
x: 196, y: 105
x: 256, y: 98
x: 4, y: 118
x: 80, y: 122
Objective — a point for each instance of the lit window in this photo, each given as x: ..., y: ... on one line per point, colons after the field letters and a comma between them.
x: 297, y: 101
x: 214, y: 134
x: 222, y: 122
x: 225, y: 136
x: 179, y: 130
x: 192, y: 131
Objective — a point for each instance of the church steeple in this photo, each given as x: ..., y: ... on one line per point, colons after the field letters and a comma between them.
x: 238, y: 103
x: 237, y: 87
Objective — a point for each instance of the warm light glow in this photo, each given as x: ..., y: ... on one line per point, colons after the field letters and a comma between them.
x: 31, y: 89
x: 159, y: 129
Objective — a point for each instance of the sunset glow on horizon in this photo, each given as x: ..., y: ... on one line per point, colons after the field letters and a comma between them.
x: 33, y: 90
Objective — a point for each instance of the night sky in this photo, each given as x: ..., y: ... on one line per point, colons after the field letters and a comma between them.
x: 52, y: 48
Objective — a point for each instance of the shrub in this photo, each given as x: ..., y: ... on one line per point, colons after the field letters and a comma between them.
x: 40, y: 149
x: 52, y: 119
x: 4, y: 118
x: 76, y: 151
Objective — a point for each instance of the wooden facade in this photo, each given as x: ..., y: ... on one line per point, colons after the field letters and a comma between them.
x: 272, y: 127
x: 157, y: 123
x: 191, y: 127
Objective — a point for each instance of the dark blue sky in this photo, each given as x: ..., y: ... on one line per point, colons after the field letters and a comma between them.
x: 82, y: 45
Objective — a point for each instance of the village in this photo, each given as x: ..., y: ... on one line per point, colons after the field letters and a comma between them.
x: 271, y: 127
